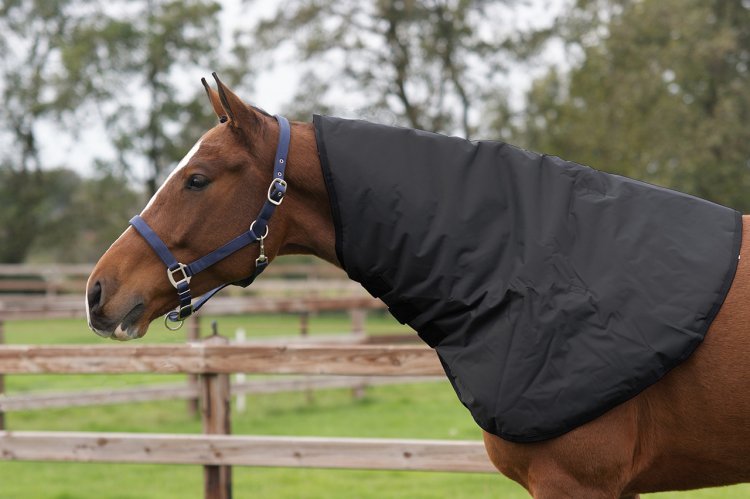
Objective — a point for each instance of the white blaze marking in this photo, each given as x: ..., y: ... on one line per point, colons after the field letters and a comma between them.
x: 183, y: 162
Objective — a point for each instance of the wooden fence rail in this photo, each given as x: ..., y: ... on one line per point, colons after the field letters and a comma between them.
x: 200, y: 358
x: 62, y: 279
x: 239, y: 450
x: 284, y: 269
x: 25, y: 307
x: 214, y: 359
x: 178, y: 391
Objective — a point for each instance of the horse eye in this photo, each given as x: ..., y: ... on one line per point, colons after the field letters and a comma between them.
x: 197, y: 182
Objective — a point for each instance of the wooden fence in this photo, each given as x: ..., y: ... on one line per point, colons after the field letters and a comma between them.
x: 210, y: 358
x: 191, y: 390
x: 180, y: 391
x: 65, y: 306
x: 238, y: 450
x: 25, y: 307
x: 61, y: 279
x: 213, y: 360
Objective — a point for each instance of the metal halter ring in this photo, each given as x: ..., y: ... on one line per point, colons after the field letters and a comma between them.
x: 261, y: 237
x: 167, y: 322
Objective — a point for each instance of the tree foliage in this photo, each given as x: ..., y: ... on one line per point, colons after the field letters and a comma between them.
x: 657, y: 91
x: 151, y: 113
x: 31, y: 36
x: 661, y: 94
x: 111, y: 62
x: 429, y: 64
x: 75, y: 218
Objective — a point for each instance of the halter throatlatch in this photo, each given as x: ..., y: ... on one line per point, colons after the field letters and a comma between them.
x: 179, y: 274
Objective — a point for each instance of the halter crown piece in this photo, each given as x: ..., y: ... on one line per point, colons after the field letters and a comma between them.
x: 179, y: 274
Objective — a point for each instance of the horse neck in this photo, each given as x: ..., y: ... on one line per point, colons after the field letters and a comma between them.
x: 309, y: 225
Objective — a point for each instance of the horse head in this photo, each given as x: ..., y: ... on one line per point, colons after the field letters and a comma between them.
x: 210, y: 198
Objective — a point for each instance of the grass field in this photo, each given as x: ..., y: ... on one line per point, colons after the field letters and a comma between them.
x: 427, y: 410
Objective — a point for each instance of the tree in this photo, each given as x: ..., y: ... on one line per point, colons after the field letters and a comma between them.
x: 115, y: 62
x: 75, y: 219
x: 660, y: 94
x: 83, y: 215
x: 31, y: 36
x: 150, y: 110
x: 430, y: 64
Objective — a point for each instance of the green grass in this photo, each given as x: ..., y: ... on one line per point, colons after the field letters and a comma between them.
x: 426, y: 410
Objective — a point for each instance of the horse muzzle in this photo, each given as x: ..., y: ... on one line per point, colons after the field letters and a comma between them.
x: 112, y: 318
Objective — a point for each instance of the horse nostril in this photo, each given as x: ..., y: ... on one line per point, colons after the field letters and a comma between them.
x: 95, y: 296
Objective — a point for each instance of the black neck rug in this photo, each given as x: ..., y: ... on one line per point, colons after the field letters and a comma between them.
x: 551, y: 291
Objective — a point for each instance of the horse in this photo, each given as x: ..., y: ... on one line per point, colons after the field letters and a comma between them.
x: 690, y: 429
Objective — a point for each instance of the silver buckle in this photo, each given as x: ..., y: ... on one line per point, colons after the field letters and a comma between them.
x: 282, y: 183
x: 185, y: 277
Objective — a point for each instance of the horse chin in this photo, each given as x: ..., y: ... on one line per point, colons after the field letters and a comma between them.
x: 136, y: 322
x: 126, y: 334
x: 130, y: 327
x: 121, y: 333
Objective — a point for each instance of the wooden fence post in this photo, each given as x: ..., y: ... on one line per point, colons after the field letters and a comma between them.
x: 358, y: 317
x: 304, y: 323
x: 2, y: 377
x: 240, y: 378
x: 215, y: 409
x: 304, y: 331
x: 193, y: 334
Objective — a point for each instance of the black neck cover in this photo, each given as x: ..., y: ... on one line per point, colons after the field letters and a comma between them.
x: 552, y: 292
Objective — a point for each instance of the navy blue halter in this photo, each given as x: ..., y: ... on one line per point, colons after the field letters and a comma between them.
x: 179, y: 274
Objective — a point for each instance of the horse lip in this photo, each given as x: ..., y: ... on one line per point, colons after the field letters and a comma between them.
x: 103, y: 334
x: 131, y: 317
x: 124, y: 325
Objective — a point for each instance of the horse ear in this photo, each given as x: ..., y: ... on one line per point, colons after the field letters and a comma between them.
x: 240, y: 115
x: 215, y: 100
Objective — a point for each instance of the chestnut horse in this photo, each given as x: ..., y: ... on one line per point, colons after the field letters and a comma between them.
x: 689, y: 430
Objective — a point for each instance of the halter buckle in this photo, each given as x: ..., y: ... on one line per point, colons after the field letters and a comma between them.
x: 181, y: 267
x: 281, y: 188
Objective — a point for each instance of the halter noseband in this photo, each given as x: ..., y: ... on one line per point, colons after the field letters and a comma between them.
x: 179, y: 274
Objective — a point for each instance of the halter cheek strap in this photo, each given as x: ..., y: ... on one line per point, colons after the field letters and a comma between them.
x: 179, y: 274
